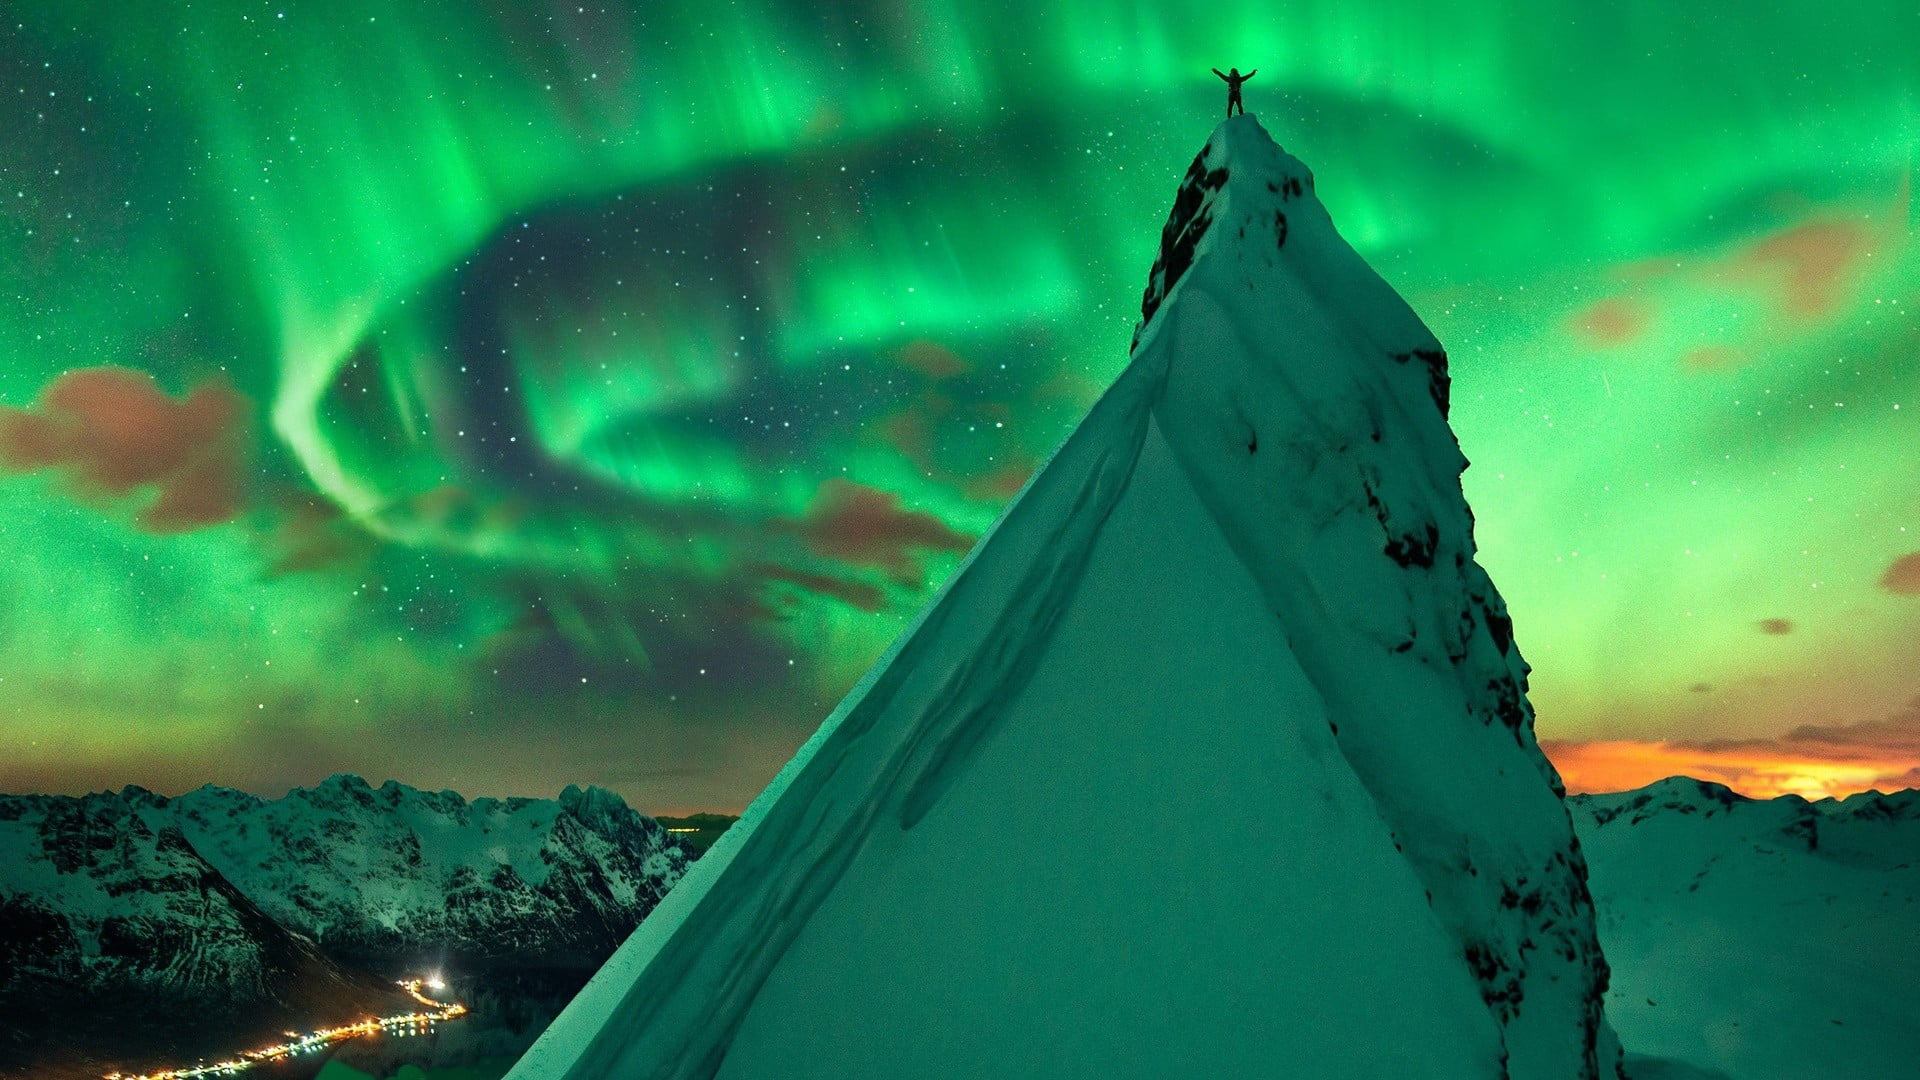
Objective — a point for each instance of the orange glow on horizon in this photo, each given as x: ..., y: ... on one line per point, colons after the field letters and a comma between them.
x: 1758, y: 769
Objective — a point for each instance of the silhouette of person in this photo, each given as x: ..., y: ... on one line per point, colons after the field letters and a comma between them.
x: 1234, y: 79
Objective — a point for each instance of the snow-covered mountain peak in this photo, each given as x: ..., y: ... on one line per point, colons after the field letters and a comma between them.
x: 119, y: 909
x: 592, y: 803
x: 1238, y: 161
x: 1675, y: 794
x: 1306, y: 403
x: 371, y: 871
x: 1242, y: 591
x: 1264, y: 196
x: 1902, y: 805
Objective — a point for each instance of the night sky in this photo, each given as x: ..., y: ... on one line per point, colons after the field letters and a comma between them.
x: 503, y: 395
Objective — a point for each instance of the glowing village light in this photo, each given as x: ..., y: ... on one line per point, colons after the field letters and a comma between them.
x: 439, y: 1010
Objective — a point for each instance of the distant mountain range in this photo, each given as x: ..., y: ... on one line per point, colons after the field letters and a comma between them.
x: 1754, y: 939
x: 1748, y: 939
x: 121, y: 913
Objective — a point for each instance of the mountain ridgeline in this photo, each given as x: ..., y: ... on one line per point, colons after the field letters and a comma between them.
x: 121, y: 912
x: 1757, y: 939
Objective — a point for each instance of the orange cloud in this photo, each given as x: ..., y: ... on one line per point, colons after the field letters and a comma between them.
x: 868, y: 527
x: 115, y: 431
x: 910, y: 431
x: 861, y: 594
x: 1903, y: 577
x: 1002, y: 482
x: 1714, y: 358
x: 1812, y: 261
x: 1805, y: 270
x: 1811, y: 761
x: 932, y: 359
x: 1616, y: 320
x: 312, y: 534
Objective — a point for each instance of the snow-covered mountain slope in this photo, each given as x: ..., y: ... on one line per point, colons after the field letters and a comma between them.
x: 387, y: 875
x: 112, y: 932
x: 1759, y: 940
x: 135, y: 928
x: 1242, y: 591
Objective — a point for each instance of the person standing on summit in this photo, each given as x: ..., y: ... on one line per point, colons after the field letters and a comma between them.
x: 1234, y: 79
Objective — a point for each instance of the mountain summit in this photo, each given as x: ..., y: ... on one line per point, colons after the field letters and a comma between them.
x: 1229, y: 654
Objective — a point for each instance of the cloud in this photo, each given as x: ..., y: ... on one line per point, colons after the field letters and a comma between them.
x: 1814, y: 761
x: 910, y: 430
x: 1899, y: 732
x: 1714, y: 358
x: 1812, y: 261
x: 115, y: 432
x: 932, y: 359
x: 861, y: 594
x: 312, y: 534
x: 1616, y: 320
x: 868, y: 527
x: 1002, y: 482
x: 1776, y: 626
x: 1903, y: 577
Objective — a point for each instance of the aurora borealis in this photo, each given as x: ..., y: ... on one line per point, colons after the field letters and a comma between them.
x: 504, y: 395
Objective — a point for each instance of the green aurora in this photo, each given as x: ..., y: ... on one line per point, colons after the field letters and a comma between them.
x: 534, y: 394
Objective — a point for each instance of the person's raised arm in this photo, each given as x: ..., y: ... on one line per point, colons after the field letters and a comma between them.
x: 1218, y: 72
x: 1249, y: 74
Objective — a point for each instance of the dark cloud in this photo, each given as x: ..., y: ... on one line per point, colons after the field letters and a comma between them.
x: 868, y: 527
x: 864, y: 595
x: 1903, y: 577
x: 116, y: 432
x: 311, y: 534
x: 910, y: 431
x: 1776, y: 626
x: 933, y: 360
x: 1899, y: 732
x: 1002, y: 482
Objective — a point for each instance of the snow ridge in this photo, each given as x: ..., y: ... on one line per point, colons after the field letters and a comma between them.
x: 1280, y: 438
x: 1314, y: 423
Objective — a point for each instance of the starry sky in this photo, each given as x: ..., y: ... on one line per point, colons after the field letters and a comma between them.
x: 497, y: 395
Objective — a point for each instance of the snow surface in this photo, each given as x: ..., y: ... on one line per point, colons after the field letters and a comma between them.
x: 1242, y: 591
x: 87, y: 890
x: 374, y: 870
x: 1759, y: 940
